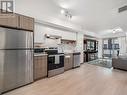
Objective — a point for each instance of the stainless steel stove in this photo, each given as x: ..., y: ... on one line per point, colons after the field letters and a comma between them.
x: 55, y: 62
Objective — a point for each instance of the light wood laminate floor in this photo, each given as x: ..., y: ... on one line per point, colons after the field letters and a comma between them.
x: 86, y: 80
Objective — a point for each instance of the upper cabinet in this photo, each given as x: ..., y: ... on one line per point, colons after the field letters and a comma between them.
x: 10, y: 20
x: 26, y: 23
x: 17, y: 21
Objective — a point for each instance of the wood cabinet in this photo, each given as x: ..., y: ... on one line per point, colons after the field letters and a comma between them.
x: 40, y: 67
x: 26, y: 23
x: 68, y: 62
x: 9, y: 20
x: 17, y: 21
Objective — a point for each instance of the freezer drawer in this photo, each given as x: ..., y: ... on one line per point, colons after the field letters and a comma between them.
x: 17, y: 68
x: 15, y: 39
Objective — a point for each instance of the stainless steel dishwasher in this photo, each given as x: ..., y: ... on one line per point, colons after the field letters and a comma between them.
x: 76, y: 57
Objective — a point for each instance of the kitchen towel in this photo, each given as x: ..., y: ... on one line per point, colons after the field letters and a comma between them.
x: 57, y: 59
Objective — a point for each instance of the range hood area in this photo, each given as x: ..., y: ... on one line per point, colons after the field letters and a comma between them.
x: 52, y: 36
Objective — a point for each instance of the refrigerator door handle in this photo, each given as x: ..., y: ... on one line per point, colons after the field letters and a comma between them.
x: 27, y: 35
x: 30, y: 40
x: 29, y: 67
x: 32, y: 55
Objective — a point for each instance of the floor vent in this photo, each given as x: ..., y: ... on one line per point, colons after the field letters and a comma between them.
x: 122, y: 9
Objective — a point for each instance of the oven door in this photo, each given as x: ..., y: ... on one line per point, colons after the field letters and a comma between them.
x: 51, y: 62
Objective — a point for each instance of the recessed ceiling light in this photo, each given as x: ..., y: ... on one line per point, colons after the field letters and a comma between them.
x: 117, y: 30
x: 62, y: 11
x: 114, y: 32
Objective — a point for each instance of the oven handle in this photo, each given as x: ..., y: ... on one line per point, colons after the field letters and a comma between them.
x: 55, y: 55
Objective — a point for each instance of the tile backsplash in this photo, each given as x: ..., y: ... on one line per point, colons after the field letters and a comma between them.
x: 67, y: 47
x: 63, y: 46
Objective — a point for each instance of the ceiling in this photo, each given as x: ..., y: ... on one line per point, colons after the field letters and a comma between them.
x: 96, y: 15
x: 92, y: 15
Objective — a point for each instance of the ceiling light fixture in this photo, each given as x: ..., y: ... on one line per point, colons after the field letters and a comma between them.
x: 62, y: 11
x: 66, y: 13
x: 117, y: 30
x: 114, y: 32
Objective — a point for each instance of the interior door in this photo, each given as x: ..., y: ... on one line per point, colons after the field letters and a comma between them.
x: 18, y: 68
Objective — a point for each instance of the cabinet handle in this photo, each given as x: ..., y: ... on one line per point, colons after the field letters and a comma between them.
x: 67, y: 56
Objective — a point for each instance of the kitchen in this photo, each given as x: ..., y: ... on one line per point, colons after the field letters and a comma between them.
x: 30, y: 51
x: 56, y: 41
x: 56, y: 47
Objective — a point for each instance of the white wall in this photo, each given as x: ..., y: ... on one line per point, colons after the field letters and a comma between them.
x: 80, y: 38
x: 44, y: 10
x: 110, y: 34
x: 122, y: 41
x: 100, y: 48
x: 41, y: 30
x: 122, y: 45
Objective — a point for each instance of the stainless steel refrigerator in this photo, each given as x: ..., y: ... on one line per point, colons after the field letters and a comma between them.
x: 16, y: 58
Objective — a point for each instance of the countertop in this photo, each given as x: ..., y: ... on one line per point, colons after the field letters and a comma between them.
x: 44, y: 54
x: 68, y: 53
x: 71, y: 52
x: 94, y: 51
x: 40, y: 54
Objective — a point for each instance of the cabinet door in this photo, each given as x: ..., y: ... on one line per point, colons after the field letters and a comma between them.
x: 9, y: 20
x: 44, y: 64
x: 40, y: 67
x: 26, y: 23
x: 37, y: 67
x: 66, y: 63
x: 71, y: 61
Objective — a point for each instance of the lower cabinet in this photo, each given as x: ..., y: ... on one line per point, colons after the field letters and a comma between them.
x: 68, y: 62
x: 40, y: 67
